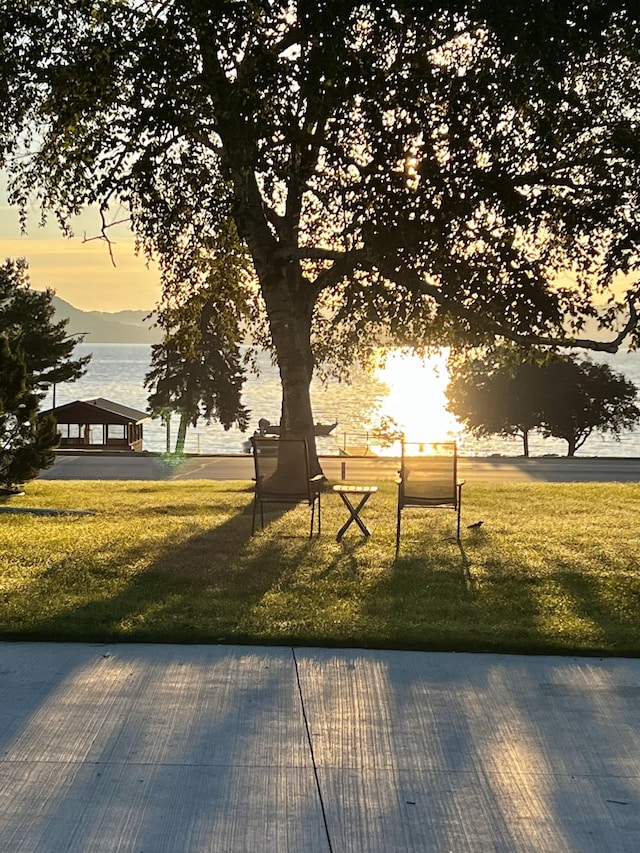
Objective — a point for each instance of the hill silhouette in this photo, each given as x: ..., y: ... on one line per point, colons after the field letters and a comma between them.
x: 103, y: 327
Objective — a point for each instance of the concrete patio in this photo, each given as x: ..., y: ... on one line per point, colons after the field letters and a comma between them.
x: 151, y: 748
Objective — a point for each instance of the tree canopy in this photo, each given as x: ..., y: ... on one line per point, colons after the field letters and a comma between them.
x: 423, y: 172
x: 498, y: 394
x: 509, y: 392
x: 583, y: 397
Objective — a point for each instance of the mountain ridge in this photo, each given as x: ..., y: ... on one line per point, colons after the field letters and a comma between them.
x: 104, y: 327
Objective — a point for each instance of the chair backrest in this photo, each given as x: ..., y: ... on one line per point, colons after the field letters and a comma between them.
x: 281, y: 468
x: 428, y: 474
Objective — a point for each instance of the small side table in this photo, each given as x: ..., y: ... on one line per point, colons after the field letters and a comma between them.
x: 364, y: 492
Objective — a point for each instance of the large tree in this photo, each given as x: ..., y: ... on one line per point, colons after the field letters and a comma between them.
x: 509, y: 392
x: 582, y: 397
x: 419, y: 170
x: 498, y: 394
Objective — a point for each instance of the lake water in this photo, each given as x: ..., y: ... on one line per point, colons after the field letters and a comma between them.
x: 408, y: 391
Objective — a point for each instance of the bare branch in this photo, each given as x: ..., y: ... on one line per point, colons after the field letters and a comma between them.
x: 104, y: 236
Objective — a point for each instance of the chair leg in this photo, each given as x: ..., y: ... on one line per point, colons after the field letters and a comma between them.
x: 313, y: 511
x: 253, y: 517
x: 398, y: 530
x: 459, y: 510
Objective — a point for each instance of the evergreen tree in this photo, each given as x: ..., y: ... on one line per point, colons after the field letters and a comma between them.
x: 197, y: 369
x: 27, y: 441
x: 27, y: 321
x: 35, y: 353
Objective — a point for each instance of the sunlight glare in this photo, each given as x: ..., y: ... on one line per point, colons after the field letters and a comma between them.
x: 417, y: 400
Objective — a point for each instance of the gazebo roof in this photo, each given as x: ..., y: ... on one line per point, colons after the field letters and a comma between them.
x: 99, y: 410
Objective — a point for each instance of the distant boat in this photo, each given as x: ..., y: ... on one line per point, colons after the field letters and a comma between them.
x: 268, y: 430
x: 265, y: 427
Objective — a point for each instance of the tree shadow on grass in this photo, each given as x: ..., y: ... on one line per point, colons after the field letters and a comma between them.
x: 542, y: 604
x: 201, y: 577
x: 607, y: 605
x: 196, y: 588
x: 482, y: 596
x: 423, y: 601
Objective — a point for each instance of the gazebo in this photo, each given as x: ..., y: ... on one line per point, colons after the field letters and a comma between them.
x: 99, y: 424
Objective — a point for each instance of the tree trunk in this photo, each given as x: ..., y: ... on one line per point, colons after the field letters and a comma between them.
x: 571, y: 446
x: 525, y: 442
x: 182, y: 433
x: 291, y: 333
x: 167, y: 422
x: 272, y: 237
x: 289, y: 300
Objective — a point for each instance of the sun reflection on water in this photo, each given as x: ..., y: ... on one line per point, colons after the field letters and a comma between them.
x: 417, y: 400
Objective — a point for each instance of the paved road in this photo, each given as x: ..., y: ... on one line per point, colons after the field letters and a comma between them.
x: 124, y: 466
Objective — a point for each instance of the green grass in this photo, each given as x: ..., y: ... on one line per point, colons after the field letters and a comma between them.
x: 554, y: 569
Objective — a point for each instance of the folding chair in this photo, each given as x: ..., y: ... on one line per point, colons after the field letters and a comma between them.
x: 282, y: 476
x: 428, y: 479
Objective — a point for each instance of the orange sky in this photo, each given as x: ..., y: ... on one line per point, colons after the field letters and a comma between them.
x: 81, y: 273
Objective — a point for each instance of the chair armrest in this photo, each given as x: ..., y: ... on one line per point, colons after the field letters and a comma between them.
x: 316, y: 484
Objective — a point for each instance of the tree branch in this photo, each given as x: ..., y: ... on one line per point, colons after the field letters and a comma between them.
x: 104, y: 236
x: 417, y: 284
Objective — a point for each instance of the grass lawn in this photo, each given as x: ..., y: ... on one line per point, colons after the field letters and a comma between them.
x: 554, y: 569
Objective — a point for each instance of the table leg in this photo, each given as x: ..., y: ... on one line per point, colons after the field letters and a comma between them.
x: 354, y: 516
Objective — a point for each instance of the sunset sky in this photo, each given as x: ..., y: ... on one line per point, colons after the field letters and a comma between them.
x: 81, y: 272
